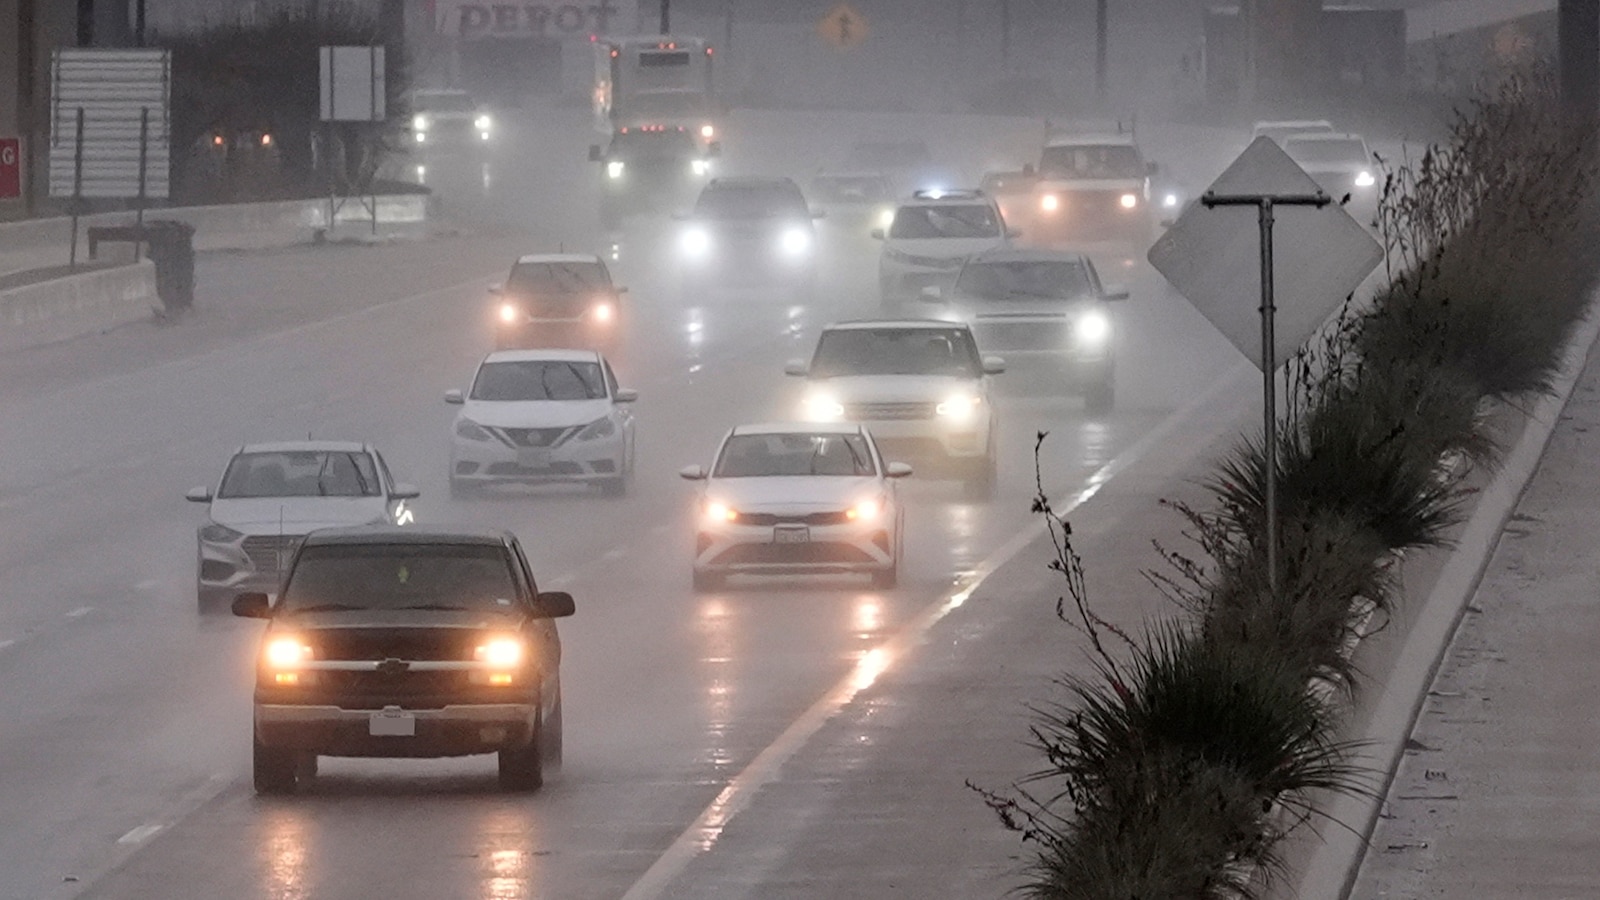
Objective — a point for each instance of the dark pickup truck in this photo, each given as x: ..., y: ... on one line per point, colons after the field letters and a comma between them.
x: 391, y: 641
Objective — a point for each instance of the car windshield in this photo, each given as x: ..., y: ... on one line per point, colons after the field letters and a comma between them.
x: 896, y: 351
x: 539, y: 379
x: 777, y: 455
x: 453, y: 101
x: 1091, y: 161
x: 850, y: 188
x: 1283, y: 131
x: 888, y: 155
x: 1323, y: 150
x: 749, y: 203
x: 642, y: 145
x: 300, y: 473
x: 966, y: 220
x: 1049, y: 280
x: 400, y: 576
x: 539, y: 278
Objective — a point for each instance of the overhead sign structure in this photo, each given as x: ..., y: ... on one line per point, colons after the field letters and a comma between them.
x: 352, y: 84
x: 10, y: 168
x: 843, y: 26
x: 1213, y: 256
x: 110, y: 130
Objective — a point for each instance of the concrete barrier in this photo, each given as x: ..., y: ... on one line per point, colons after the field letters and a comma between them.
x: 76, y: 305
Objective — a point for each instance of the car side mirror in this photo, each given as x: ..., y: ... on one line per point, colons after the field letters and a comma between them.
x: 993, y: 365
x: 693, y: 473
x: 454, y: 397
x: 626, y: 395
x: 497, y: 289
x: 878, y: 234
x: 897, y: 470
x: 796, y: 367
x: 1114, y: 292
x: 200, y: 494
x: 254, y: 605
x: 405, y: 492
x: 932, y: 294
x: 554, y: 605
x: 714, y: 148
x: 594, y: 153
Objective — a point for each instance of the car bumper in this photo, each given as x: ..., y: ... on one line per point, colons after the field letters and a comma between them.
x: 490, y: 462
x: 556, y: 334
x: 760, y: 549
x: 918, y: 437
x: 449, y: 731
x: 227, y: 569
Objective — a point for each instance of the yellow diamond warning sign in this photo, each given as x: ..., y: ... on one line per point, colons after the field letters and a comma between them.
x: 843, y: 26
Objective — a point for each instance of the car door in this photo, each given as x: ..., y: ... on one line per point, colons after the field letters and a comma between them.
x: 621, y: 411
x: 540, y: 630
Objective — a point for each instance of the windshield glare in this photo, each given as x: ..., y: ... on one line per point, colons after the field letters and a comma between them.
x: 297, y: 473
x: 750, y: 203
x: 896, y: 351
x: 970, y: 220
x: 1022, y: 280
x: 400, y: 576
x: 1106, y: 161
x: 776, y: 455
x: 1348, y: 152
x: 525, y: 380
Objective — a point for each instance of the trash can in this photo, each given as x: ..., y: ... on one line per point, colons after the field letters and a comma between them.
x: 171, y: 247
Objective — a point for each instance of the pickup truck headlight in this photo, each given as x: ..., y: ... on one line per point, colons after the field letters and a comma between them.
x: 1093, y: 328
x: 219, y: 534
x: 472, y: 431
x: 286, y: 652
x: 503, y: 656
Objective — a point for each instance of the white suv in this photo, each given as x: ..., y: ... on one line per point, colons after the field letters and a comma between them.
x: 916, y: 384
x: 929, y: 238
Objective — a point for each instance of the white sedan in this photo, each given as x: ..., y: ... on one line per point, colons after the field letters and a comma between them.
x: 798, y: 498
x: 542, y: 417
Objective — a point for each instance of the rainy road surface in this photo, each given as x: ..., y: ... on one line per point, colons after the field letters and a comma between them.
x: 124, y: 723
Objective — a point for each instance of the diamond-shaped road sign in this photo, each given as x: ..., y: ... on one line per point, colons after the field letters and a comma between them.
x: 1213, y: 256
x: 843, y: 26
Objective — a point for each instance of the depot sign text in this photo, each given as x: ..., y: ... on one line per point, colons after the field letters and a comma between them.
x: 468, y: 19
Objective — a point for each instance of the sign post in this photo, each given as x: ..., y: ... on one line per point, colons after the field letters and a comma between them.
x: 1218, y: 253
x: 353, y: 90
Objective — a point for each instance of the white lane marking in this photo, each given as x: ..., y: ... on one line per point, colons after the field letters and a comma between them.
x: 149, y: 584
x: 702, y: 835
x: 80, y: 612
x: 5, y: 644
x: 139, y: 834
x: 614, y: 553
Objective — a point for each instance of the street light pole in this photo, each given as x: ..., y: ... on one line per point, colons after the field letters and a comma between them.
x: 1100, y: 52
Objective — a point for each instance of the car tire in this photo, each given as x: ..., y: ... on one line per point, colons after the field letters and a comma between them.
x: 1101, y: 396
x: 708, y: 581
x: 550, y: 740
x: 522, y: 768
x: 274, y: 770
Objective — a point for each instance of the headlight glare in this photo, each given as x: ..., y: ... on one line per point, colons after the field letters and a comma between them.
x: 707, y: 131
x: 500, y: 652
x: 700, y: 166
x: 1128, y: 201
x: 614, y: 168
x: 1049, y: 203
x: 509, y: 313
x: 885, y: 218
x: 1365, y: 178
x: 795, y: 241
x: 696, y: 242
x: 821, y: 407
x: 720, y: 512
x: 867, y: 510
x: 1169, y: 201
x: 419, y: 123
x: 482, y: 123
x: 603, y: 312
x: 286, y: 652
x: 959, y: 408
x: 1093, y: 327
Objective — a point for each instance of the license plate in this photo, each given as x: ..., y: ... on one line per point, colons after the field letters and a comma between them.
x: 533, y: 459
x: 791, y: 535
x: 392, y: 723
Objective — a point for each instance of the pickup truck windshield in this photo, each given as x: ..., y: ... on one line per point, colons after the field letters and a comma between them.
x: 399, y: 576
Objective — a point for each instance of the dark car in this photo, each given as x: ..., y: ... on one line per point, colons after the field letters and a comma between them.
x: 388, y: 641
x: 558, y: 300
x: 650, y: 169
x: 749, y: 231
x: 1039, y: 305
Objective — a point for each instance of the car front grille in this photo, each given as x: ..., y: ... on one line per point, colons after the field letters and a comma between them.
x: 1000, y: 336
x: 837, y: 517
x: 269, y: 552
x: 533, y: 437
x: 395, y: 643
x: 878, y: 412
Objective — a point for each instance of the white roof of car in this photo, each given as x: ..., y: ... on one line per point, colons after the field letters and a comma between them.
x: 542, y: 355
x: 558, y: 258
x: 1105, y: 139
x: 907, y: 324
x: 1310, y: 136
x: 304, y: 447
x: 799, y: 428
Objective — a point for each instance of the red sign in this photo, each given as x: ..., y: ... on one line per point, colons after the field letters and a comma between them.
x: 10, y: 168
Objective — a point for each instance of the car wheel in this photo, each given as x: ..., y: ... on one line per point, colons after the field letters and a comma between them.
x: 1101, y: 396
x: 522, y: 768
x: 273, y: 769
x: 550, y: 739
x: 708, y: 581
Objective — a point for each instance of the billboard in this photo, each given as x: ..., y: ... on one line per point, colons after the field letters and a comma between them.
x: 474, y: 19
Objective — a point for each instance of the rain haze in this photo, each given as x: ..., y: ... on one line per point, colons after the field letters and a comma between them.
x: 726, y: 328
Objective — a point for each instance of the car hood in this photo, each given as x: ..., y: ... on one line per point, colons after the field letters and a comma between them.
x: 792, y: 493
x: 296, y: 515
x: 477, y: 619
x: 945, y: 247
x: 969, y: 309
x: 895, y: 388
x: 536, y: 413
x: 1091, y: 184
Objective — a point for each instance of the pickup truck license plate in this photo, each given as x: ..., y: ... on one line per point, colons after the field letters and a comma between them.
x: 791, y: 535
x: 392, y: 722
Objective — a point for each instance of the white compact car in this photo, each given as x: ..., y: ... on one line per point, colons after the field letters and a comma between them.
x: 929, y: 238
x: 798, y: 498
x: 542, y: 417
x: 272, y: 495
x: 916, y: 384
x: 1341, y: 164
x: 1281, y: 129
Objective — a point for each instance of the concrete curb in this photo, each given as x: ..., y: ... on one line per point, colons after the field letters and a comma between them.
x: 75, y: 305
x: 1336, y: 863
